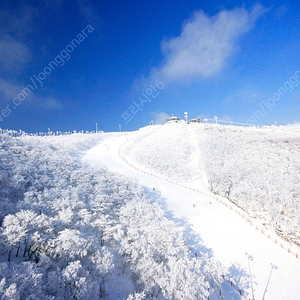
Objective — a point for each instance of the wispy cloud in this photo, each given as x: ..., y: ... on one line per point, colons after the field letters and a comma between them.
x: 246, y: 96
x: 50, y: 103
x: 159, y: 117
x: 14, y: 55
x: 88, y: 12
x: 17, y: 21
x: 281, y: 11
x: 9, y: 92
x: 204, y: 45
x: 16, y: 25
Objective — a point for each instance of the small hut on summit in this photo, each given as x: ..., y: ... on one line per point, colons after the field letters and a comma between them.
x: 197, y: 120
x: 173, y: 119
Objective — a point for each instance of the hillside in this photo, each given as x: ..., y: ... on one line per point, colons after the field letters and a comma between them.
x: 76, y: 223
x: 72, y: 231
x: 258, y: 169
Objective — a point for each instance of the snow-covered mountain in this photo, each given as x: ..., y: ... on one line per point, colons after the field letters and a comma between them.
x: 71, y: 231
x: 258, y: 169
x: 74, y: 227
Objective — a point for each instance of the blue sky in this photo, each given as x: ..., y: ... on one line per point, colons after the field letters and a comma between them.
x: 70, y: 64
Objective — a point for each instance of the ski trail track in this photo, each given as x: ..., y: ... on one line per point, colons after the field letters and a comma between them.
x: 221, y: 230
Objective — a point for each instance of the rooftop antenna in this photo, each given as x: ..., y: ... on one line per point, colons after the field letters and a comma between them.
x: 186, y: 115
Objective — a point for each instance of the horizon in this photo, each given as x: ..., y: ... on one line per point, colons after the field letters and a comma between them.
x: 50, y: 132
x: 67, y: 66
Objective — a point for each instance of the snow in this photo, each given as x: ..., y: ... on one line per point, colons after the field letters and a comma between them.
x: 78, y: 230
x: 164, y: 211
x: 246, y: 165
x: 227, y: 236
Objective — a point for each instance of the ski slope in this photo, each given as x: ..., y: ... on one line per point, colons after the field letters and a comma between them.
x: 228, y: 237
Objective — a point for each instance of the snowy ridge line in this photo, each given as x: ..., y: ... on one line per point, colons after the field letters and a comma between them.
x: 277, y: 240
x: 233, y: 123
x: 15, y: 133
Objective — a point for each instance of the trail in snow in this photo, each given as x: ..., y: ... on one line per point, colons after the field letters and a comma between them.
x: 198, y: 158
x: 224, y: 232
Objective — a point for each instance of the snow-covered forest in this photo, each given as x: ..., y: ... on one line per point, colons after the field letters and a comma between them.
x: 258, y: 169
x: 70, y: 231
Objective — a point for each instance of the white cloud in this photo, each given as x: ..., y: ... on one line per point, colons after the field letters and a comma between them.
x: 16, y: 25
x: 9, y: 91
x: 88, y: 12
x: 50, y: 104
x: 159, y: 117
x: 17, y: 20
x: 204, y: 44
x: 13, y: 54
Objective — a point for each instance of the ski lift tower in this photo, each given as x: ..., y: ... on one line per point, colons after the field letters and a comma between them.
x: 186, y: 116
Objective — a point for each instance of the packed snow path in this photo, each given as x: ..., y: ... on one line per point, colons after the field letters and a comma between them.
x: 275, y: 272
